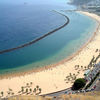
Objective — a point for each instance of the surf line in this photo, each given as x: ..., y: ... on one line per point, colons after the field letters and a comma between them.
x: 34, y: 41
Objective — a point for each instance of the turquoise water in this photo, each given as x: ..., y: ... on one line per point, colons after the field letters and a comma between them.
x: 51, y: 49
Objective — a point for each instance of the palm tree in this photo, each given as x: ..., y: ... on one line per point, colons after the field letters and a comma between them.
x: 96, y: 50
x: 78, y: 72
x: 10, y: 89
x: 22, y: 89
x: 81, y: 67
x: 37, y: 87
x: 27, y: 84
x: 31, y: 83
x: 68, y: 79
x: 70, y: 74
x: 67, y: 76
x: 74, y: 78
x: 30, y: 90
x: 12, y: 93
x: 74, y: 74
x: 26, y: 90
x: 8, y: 93
x: 85, y: 67
x: 67, y: 82
x: 2, y: 93
x: 40, y: 90
x: 34, y: 90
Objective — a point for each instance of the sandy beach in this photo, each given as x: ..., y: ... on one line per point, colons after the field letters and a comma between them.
x: 54, y: 77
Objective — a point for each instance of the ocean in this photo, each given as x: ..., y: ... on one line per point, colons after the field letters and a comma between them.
x: 24, y: 21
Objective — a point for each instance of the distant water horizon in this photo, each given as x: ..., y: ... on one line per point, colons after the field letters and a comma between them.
x: 23, y: 23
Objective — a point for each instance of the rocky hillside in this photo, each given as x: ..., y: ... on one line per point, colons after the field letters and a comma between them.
x: 85, y: 2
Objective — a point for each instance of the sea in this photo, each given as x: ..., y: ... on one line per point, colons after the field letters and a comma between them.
x: 22, y: 21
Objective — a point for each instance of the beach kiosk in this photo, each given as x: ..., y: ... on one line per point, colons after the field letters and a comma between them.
x: 87, y: 72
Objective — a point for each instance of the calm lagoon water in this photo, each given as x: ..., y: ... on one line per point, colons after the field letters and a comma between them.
x: 21, y: 23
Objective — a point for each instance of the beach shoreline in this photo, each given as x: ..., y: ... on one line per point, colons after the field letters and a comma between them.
x: 35, y: 70
x: 55, y: 73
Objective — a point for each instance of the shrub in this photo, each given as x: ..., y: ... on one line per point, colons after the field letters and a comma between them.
x: 79, y: 84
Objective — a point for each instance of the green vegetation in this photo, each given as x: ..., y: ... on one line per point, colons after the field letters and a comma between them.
x: 2, y: 93
x: 79, y: 84
x: 22, y: 89
x: 37, y: 90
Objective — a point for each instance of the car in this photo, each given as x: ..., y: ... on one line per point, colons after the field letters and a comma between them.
x: 82, y: 91
x: 88, y: 90
x: 66, y: 92
x: 92, y: 89
x: 73, y: 92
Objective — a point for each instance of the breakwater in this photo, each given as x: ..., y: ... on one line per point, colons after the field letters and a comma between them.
x: 34, y: 41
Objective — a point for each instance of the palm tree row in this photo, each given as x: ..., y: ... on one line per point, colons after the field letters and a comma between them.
x: 28, y: 89
x: 72, y: 77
